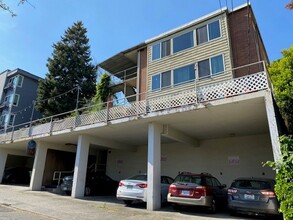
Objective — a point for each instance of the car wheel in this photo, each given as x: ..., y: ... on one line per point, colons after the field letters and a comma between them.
x: 87, y: 191
x: 213, y: 207
x: 127, y: 202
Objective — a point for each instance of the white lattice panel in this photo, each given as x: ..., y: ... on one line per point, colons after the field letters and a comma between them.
x: 91, y: 118
x: 41, y: 129
x: 238, y: 86
x: 63, y: 124
x: 174, y: 100
x: 129, y: 109
x: 21, y: 133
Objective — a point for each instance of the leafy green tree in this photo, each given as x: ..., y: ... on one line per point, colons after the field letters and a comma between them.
x: 69, y: 68
x: 103, y: 88
x: 281, y: 74
x: 284, y: 177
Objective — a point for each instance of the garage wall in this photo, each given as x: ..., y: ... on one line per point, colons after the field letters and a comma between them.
x: 225, y: 159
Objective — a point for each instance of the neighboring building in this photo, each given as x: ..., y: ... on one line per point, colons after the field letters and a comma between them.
x: 196, y: 98
x: 18, y: 90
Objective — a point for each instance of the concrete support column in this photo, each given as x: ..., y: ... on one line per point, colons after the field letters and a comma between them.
x: 80, y: 168
x: 3, y: 158
x: 272, y: 121
x: 39, y: 167
x: 154, y: 166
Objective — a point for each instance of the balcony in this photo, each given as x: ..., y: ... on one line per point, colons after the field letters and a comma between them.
x: 122, y: 108
x: 9, y: 85
x: 4, y: 105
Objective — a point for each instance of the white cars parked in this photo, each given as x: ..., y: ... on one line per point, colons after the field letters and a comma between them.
x: 135, y: 188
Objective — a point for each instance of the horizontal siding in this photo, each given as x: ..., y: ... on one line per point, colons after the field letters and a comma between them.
x: 190, y: 56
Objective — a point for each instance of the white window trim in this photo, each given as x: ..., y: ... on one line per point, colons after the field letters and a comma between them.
x: 12, y: 123
x: 22, y: 78
x: 208, y: 34
x: 210, y: 65
x: 194, y: 42
x: 14, y: 99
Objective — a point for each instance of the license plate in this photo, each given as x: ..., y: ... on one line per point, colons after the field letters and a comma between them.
x: 248, y: 196
x: 185, y: 192
x: 129, y: 186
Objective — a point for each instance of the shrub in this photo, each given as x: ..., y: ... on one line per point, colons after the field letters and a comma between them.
x: 284, y: 177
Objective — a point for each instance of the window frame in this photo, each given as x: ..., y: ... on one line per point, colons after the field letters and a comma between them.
x: 208, y: 32
x: 20, y: 80
x: 161, y: 82
x: 17, y: 101
x: 211, y: 74
x: 181, y: 35
x: 11, y: 122
x: 160, y: 44
x: 189, y: 80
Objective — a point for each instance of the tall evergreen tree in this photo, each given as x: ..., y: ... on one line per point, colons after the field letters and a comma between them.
x: 69, y: 67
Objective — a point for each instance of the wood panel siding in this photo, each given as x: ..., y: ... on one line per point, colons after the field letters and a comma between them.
x: 247, y: 45
x: 192, y: 55
x: 143, y: 74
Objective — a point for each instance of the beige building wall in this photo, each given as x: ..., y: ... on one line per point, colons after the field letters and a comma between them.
x: 191, y: 56
x: 226, y: 159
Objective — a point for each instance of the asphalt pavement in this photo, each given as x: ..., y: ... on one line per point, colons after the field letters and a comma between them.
x: 19, y: 203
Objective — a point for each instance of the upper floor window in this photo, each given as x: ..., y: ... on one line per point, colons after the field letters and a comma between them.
x: 161, y: 80
x: 19, y: 81
x: 211, y: 66
x: 184, y: 74
x: 16, y: 80
x: 183, y: 42
x: 208, y: 32
x: 161, y: 50
x: 16, y: 99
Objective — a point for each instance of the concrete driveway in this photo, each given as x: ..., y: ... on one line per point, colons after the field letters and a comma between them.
x: 17, y: 202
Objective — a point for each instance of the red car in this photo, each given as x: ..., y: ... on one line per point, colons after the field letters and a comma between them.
x: 198, y: 190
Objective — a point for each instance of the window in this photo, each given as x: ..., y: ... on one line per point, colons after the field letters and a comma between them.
x: 156, y: 82
x: 156, y: 51
x: 166, y: 79
x: 183, y: 42
x: 208, y: 32
x: 161, y: 80
x: 11, y: 119
x: 161, y: 50
x: 212, y: 66
x: 19, y: 81
x: 184, y: 74
x: 16, y: 99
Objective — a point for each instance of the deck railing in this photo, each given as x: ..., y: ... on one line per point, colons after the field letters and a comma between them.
x: 110, y: 111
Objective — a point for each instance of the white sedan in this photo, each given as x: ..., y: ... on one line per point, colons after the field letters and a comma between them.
x: 135, y: 188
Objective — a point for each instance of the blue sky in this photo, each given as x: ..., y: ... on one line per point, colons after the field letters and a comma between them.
x: 115, y: 25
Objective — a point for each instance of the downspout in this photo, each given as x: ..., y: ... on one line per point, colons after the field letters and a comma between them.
x: 138, y: 77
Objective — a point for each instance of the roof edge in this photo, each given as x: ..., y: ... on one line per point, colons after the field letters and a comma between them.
x: 184, y: 26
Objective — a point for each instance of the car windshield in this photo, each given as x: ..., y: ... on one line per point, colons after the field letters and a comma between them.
x: 188, y: 179
x: 138, y: 177
x: 251, y: 184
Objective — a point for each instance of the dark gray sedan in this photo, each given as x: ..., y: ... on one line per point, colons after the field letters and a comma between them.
x: 253, y: 196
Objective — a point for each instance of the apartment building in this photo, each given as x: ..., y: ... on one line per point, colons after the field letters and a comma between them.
x: 18, y: 89
x: 196, y: 98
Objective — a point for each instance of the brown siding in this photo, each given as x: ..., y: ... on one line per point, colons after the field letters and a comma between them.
x: 143, y: 74
x: 246, y: 42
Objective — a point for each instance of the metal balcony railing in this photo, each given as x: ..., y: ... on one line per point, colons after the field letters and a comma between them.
x: 121, y: 108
